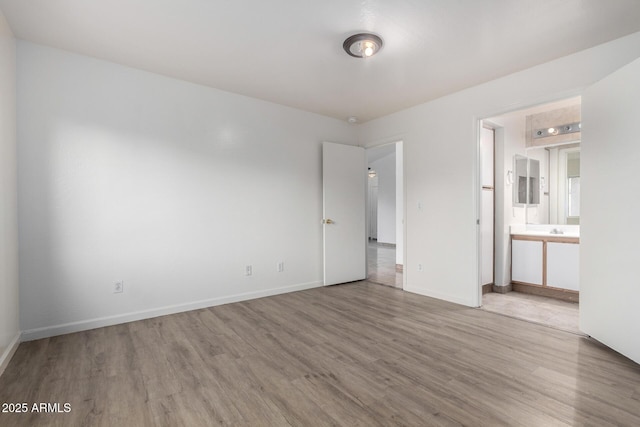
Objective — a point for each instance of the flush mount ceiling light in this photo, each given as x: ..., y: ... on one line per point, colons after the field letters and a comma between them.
x: 362, y: 45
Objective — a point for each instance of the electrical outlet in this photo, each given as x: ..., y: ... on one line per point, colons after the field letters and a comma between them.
x: 118, y: 287
x: 419, y: 267
x: 248, y: 270
x: 280, y: 266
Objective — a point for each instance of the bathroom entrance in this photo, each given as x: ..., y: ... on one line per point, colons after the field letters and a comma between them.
x: 532, y: 177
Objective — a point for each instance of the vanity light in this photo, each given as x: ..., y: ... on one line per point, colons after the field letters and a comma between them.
x: 372, y: 173
x: 557, y: 130
x: 362, y: 45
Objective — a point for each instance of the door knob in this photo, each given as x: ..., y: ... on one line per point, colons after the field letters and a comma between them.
x: 329, y: 221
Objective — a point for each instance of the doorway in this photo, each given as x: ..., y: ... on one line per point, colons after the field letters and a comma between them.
x: 527, y: 252
x: 385, y: 215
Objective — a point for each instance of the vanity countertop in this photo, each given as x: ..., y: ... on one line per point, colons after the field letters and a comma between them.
x: 545, y: 230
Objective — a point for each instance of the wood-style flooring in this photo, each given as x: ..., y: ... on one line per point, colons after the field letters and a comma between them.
x: 381, y: 261
x: 355, y: 355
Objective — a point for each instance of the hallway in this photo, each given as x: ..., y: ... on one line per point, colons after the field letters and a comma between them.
x: 381, y: 260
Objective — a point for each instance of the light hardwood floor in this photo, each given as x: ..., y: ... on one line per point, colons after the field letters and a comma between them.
x: 381, y: 260
x: 356, y: 355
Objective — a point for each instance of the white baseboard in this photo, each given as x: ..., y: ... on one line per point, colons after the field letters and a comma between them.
x: 5, y: 358
x: 84, y: 325
x: 439, y: 295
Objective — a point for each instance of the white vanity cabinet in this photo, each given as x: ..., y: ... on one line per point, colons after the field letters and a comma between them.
x: 563, y: 265
x: 526, y: 261
x: 546, y: 265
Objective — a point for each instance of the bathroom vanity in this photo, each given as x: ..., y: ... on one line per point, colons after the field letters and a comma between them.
x: 545, y: 260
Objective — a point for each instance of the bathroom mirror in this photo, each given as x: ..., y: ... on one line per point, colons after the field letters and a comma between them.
x: 526, y: 181
x: 559, y: 185
x: 558, y: 172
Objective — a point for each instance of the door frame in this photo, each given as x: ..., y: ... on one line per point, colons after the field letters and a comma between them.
x: 479, y: 120
x: 486, y: 125
x: 394, y: 142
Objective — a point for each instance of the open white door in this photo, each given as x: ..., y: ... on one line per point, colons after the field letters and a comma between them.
x: 610, y: 204
x: 344, y: 171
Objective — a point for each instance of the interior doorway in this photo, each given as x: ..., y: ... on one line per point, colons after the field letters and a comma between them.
x: 535, y: 256
x: 385, y: 215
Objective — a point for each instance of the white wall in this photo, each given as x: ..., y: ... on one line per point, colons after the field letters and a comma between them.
x: 169, y: 186
x: 9, y: 330
x: 440, y: 143
x: 386, y: 173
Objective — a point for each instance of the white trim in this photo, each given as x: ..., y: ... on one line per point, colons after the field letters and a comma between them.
x: 476, y: 186
x: 9, y: 352
x: 385, y: 141
x: 83, y: 325
x: 404, y: 214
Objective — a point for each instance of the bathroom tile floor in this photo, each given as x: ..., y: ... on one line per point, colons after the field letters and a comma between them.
x: 382, y: 265
x: 532, y: 308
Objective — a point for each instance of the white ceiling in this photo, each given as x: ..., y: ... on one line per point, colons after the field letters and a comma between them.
x: 290, y: 51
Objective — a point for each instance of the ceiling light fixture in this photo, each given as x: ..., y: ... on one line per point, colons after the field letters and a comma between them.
x: 362, y: 45
x: 557, y: 130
